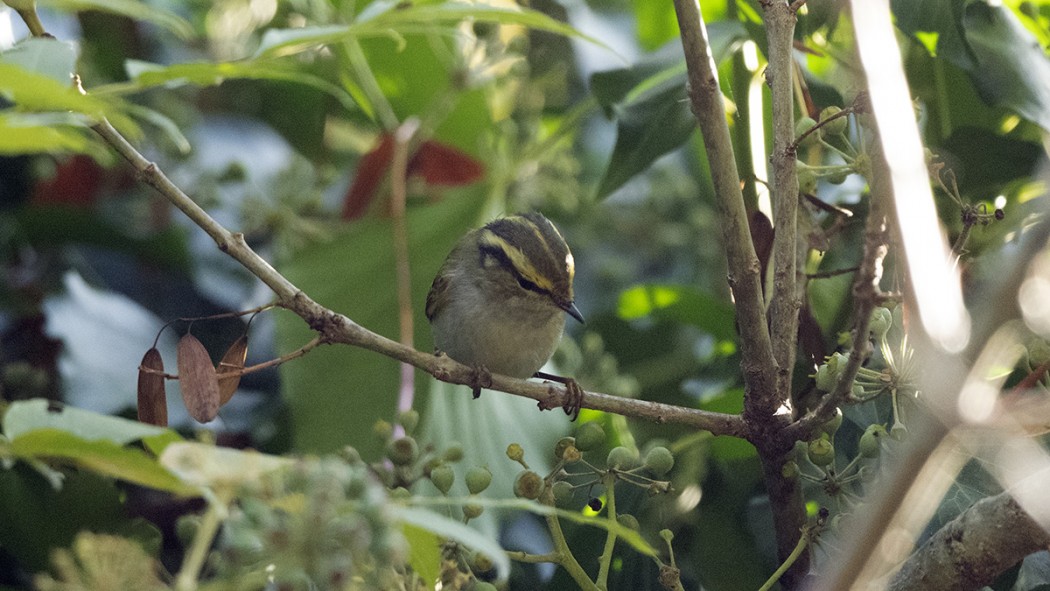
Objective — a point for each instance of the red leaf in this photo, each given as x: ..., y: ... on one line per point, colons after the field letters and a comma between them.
x: 370, y: 173
x: 443, y: 165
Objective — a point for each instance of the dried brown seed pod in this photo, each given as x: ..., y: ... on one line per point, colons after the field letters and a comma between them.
x: 197, y: 379
x: 232, y: 361
x: 152, y: 404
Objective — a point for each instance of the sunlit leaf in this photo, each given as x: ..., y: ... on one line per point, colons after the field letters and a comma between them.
x: 22, y: 134
x: 145, y: 75
x: 394, y: 20
x: 207, y: 465
x: 32, y: 91
x: 680, y: 303
x: 30, y: 415
x: 99, y: 456
x: 454, y: 530
x: 50, y: 57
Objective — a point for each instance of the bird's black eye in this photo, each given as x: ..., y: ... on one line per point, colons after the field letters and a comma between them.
x: 526, y: 284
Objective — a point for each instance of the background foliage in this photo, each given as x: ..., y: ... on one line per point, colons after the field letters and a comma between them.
x: 264, y: 112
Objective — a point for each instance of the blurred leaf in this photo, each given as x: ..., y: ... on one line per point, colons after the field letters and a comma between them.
x: 29, y: 415
x: 656, y: 23
x: 1005, y: 62
x: 454, y: 530
x: 389, y: 19
x: 48, y: 226
x: 647, y: 128
x: 137, y: 11
x: 682, y: 304
x: 202, y: 464
x: 44, y: 134
x: 37, y: 517
x: 99, y: 456
x: 729, y: 449
x: 944, y: 19
x: 50, y: 57
x: 424, y: 547
x: 653, y: 113
x: 146, y: 75
x: 39, y: 92
x: 335, y: 394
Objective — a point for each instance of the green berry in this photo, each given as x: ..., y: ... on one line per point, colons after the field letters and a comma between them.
x: 443, y: 476
x: 453, y: 453
x: 382, y: 430
x: 824, y: 378
x: 807, y: 178
x: 870, y: 441
x: 186, y: 528
x: 478, y: 479
x: 881, y: 320
x: 802, y: 126
x: 562, y: 491
x: 402, y: 451
x: 400, y: 493
x: 528, y: 485
x: 789, y: 469
x: 627, y: 520
x: 589, y: 436
x: 821, y: 452
x: 659, y: 460
x: 832, y: 425
x: 481, y: 563
x: 838, y: 177
x: 667, y: 535
x: 835, y: 127
x: 409, y: 419
x: 621, y: 458
x: 482, y: 586
x: 515, y: 452
x: 563, y: 444
x: 472, y: 510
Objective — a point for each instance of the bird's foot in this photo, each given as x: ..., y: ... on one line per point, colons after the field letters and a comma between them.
x: 572, y: 401
x: 482, y: 379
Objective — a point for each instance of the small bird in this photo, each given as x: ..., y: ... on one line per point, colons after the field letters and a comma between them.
x: 499, y: 301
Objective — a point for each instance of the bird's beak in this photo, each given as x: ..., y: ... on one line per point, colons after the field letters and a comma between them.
x: 573, y: 311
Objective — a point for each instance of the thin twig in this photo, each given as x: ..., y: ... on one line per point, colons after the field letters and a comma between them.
x: 398, y: 197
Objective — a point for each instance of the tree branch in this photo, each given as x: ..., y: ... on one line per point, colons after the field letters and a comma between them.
x: 785, y: 301
x: 973, y: 549
x: 764, y: 379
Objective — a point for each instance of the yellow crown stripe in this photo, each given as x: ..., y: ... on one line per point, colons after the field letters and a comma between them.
x: 518, y: 259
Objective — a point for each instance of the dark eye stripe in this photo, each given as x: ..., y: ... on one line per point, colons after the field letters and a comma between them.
x: 505, y: 262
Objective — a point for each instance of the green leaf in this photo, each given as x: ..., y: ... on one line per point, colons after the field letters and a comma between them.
x: 148, y: 75
x: 50, y: 57
x: 424, y: 551
x: 653, y: 114
x: 655, y: 124
x: 656, y: 23
x: 30, y: 415
x: 100, y: 456
x: 454, y: 530
x: 38, y: 92
x: 207, y: 465
x: 682, y: 304
x: 394, y: 20
x: 34, y: 134
x: 1004, y: 60
x: 138, y: 11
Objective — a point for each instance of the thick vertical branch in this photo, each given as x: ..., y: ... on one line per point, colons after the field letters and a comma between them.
x: 744, y: 269
x: 785, y: 302
x: 764, y: 381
